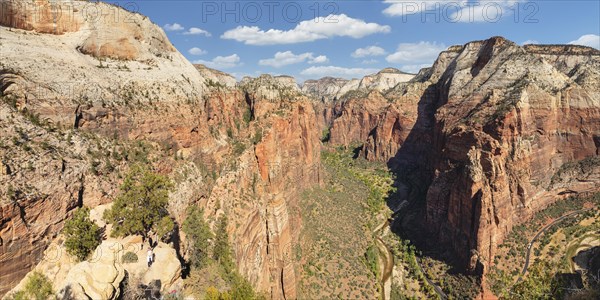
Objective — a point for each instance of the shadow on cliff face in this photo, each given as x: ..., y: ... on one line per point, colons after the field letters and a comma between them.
x: 413, y: 166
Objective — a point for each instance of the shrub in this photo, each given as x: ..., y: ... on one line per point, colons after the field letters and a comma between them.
x: 325, y: 135
x: 129, y: 257
x: 258, y: 135
x: 141, y: 205
x: 238, y: 148
x: 37, y: 287
x: 372, y: 259
x: 247, y: 116
x: 212, y: 293
x: 82, y: 235
x: 242, y: 289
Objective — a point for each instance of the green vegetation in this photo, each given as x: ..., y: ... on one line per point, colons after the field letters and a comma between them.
x: 247, y: 116
x: 129, y: 257
x: 212, y: 261
x: 372, y: 258
x: 539, y: 284
x: 377, y: 178
x: 37, y: 287
x: 257, y: 137
x: 141, y: 205
x: 10, y: 100
x: 405, y: 256
x: 82, y: 235
x: 222, y: 251
x: 326, y: 135
x: 214, y: 84
x: 354, y: 94
x: 502, y: 108
x: 238, y: 148
x: 337, y: 256
x: 198, y: 236
x: 551, y: 254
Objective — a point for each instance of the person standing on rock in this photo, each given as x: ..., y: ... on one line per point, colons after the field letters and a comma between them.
x: 149, y: 257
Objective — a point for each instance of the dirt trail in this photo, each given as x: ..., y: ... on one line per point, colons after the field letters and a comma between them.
x: 385, y: 255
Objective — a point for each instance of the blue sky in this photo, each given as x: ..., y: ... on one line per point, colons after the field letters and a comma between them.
x: 312, y: 39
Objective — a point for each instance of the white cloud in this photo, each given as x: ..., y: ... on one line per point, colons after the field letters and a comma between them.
x: 289, y: 58
x: 368, y: 51
x: 369, y: 61
x: 221, y: 62
x: 197, y: 31
x: 334, y: 71
x: 402, y: 8
x: 173, y: 27
x: 319, y: 60
x: 196, y: 51
x: 530, y: 42
x: 453, y: 11
x: 590, y: 40
x: 416, y: 53
x: 306, y: 31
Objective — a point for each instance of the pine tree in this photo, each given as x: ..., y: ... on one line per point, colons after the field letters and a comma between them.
x: 198, y: 234
x: 141, y: 205
x: 82, y: 235
x: 222, y: 251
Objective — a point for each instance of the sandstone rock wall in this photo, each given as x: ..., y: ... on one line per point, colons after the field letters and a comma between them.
x: 384, y: 79
x: 41, y: 16
x: 490, y: 124
x: 503, y: 129
x: 325, y: 88
x: 118, y: 59
x: 260, y: 194
x: 44, y: 178
x: 359, y: 116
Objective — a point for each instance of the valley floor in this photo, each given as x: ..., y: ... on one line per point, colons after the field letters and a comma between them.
x: 554, y: 255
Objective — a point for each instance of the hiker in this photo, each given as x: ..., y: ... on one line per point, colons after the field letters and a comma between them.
x: 150, y: 256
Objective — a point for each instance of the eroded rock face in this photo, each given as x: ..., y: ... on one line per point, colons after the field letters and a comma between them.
x: 507, y: 122
x: 106, y: 31
x: 41, y: 16
x: 259, y: 195
x: 490, y: 124
x: 39, y: 188
x: 106, y: 62
x: 101, y: 275
x: 247, y: 150
x: 325, y: 89
x: 216, y: 77
x: 329, y: 89
x: 384, y: 79
x: 359, y: 116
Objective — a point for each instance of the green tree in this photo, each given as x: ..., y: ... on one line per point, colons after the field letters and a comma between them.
x: 164, y: 227
x: 242, y: 290
x: 141, y: 205
x: 537, y: 284
x: 82, y: 235
x: 37, y: 287
x: 198, y: 234
x: 222, y: 250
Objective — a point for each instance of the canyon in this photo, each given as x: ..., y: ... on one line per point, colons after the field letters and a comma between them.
x: 483, y: 137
